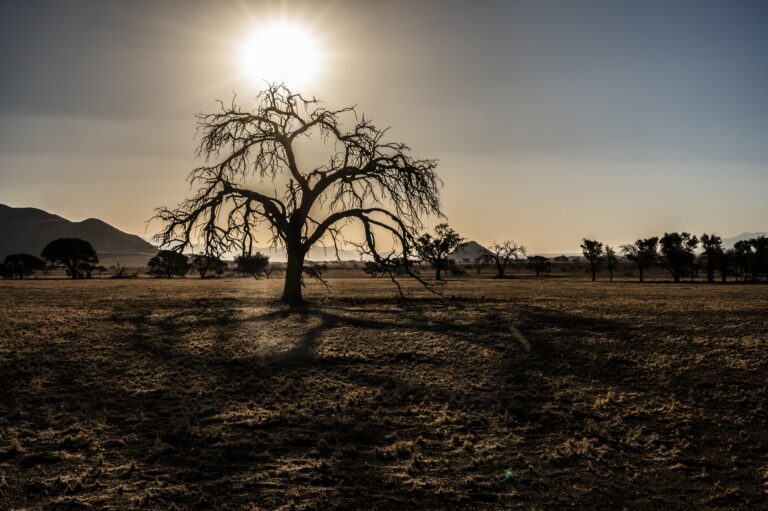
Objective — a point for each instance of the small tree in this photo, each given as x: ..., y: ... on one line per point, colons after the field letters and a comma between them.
x: 760, y: 247
x: 713, y: 251
x: 100, y: 269
x: 271, y: 269
x: 677, y: 252
x: 70, y: 253
x: 23, y: 265
x: 539, y: 264
x: 374, y: 269
x: 169, y: 264
x: 435, y: 249
x: 254, y: 265
x: 611, y: 261
x: 725, y: 262
x: 206, y: 263
x: 643, y: 253
x: 593, y: 253
x: 503, y: 255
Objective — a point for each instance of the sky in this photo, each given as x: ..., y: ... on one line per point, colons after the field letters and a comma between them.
x: 551, y: 120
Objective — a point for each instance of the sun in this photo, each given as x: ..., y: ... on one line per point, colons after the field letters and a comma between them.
x: 282, y: 51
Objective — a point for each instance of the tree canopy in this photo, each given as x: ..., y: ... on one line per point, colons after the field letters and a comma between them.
x: 676, y: 252
x: 73, y: 254
x: 434, y: 249
x: 168, y: 264
x: 23, y: 265
x: 643, y: 252
x: 366, y: 179
x: 593, y: 253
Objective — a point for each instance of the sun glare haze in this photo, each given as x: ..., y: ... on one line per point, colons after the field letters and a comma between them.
x: 281, y: 51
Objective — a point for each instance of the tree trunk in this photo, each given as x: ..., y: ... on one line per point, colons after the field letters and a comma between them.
x: 641, y: 273
x: 437, y: 265
x: 594, y: 271
x: 292, y: 288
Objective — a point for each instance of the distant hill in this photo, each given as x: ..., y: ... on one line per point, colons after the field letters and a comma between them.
x: 29, y: 229
x: 730, y: 242
x: 468, y: 250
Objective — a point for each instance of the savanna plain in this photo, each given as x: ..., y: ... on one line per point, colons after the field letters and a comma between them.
x: 501, y: 394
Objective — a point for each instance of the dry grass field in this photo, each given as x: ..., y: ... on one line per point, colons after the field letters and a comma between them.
x: 523, y: 393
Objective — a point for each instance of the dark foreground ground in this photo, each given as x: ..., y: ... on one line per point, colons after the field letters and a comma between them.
x: 209, y: 395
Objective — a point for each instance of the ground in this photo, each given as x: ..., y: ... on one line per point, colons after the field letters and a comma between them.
x: 522, y: 393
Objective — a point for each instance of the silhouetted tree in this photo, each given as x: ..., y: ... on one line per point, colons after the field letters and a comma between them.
x: 374, y: 269
x: 643, y: 252
x: 23, y: 265
x: 121, y: 272
x: 713, y: 251
x: 593, y: 253
x: 760, y: 248
x: 725, y: 262
x: 750, y: 258
x: 539, y: 264
x: 205, y: 264
x: 5, y: 272
x: 677, y: 252
x: 366, y: 180
x: 435, y: 249
x: 100, y: 269
x: 610, y: 261
x: 86, y: 269
x: 271, y: 269
x: 168, y: 264
x: 70, y: 253
x: 503, y: 255
x: 254, y: 265
x: 742, y: 259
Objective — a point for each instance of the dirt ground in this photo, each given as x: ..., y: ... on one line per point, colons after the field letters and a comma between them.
x: 523, y: 393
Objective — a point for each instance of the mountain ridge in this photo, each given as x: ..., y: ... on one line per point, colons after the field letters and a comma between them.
x: 28, y: 230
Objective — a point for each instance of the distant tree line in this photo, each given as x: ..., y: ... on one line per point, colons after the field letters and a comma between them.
x: 682, y: 255
x: 677, y: 253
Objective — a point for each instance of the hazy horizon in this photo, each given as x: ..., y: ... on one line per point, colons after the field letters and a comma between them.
x: 552, y: 121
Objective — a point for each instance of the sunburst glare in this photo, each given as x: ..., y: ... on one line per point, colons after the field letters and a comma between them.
x: 282, y: 51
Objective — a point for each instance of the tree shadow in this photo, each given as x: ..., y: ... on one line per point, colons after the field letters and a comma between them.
x: 412, y: 404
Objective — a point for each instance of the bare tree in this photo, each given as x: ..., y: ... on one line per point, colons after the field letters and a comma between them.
x: 366, y: 179
x: 504, y: 254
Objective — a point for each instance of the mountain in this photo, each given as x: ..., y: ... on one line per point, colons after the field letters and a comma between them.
x: 29, y: 229
x: 469, y: 250
x: 730, y: 242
